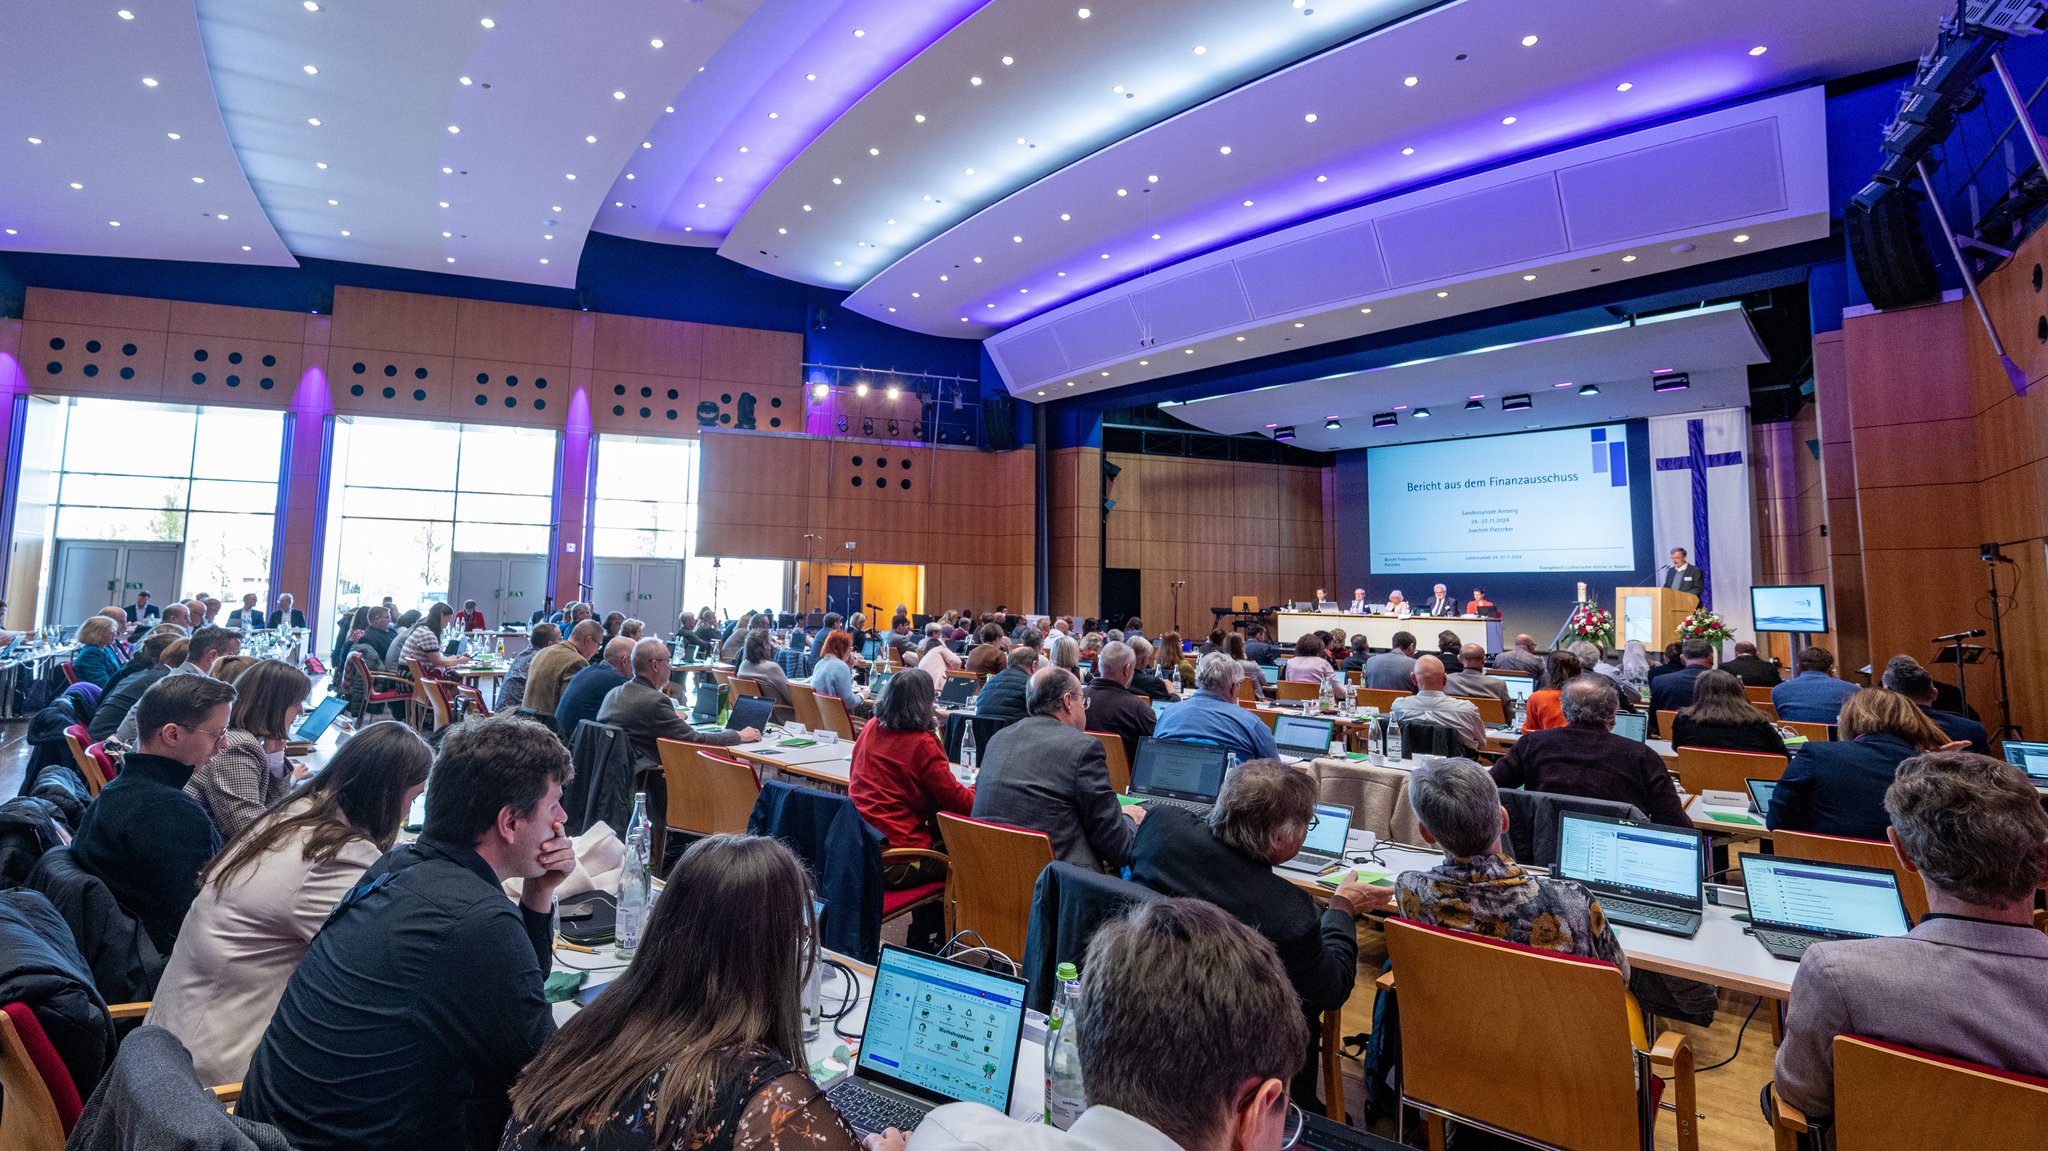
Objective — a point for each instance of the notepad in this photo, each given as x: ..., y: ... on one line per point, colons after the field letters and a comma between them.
x: 1727, y: 817
x: 798, y: 741
x: 1369, y: 878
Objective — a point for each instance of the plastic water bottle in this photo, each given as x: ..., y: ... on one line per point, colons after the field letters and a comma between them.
x: 634, y: 885
x: 1065, y: 1095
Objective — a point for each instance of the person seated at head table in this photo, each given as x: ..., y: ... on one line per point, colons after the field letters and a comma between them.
x: 1397, y: 605
x: 1359, y: 605
x: 1836, y: 787
x: 1965, y: 982
x: 1439, y: 602
x: 264, y: 897
x: 1478, y: 602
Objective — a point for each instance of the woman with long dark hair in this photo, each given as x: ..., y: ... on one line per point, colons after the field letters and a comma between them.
x: 266, y: 894
x: 423, y: 643
x: 699, y: 1044
x: 1546, y: 706
x: 1721, y: 716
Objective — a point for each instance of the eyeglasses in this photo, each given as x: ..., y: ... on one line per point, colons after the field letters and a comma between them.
x: 1296, y: 1124
x: 220, y: 736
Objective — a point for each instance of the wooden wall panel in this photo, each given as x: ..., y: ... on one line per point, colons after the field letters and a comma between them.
x: 399, y: 384
x: 488, y: 330
x: 208, y: 369
x: 401, y: 323
x: 92, y: 359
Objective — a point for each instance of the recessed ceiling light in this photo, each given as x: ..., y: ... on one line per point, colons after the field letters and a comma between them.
x: 543, y: 259
x: 76, y: 185
x: 1009, y: 60
x: 1041, y: 391
x: 807, y: 207
x: 455, y: 129
x: 447, y: 235
x: 1189, y: 351
x: 344, y: 231
x: 618, y: 95
x: 443, y: 203
x: 1299, y: 324
x: 944, y: 278
x: 12, y: 232
x: 974, y: 80
x: 334, y: 203
x: 488, y: 22
x: 917, y: 295
x: 113, y: 223
x: 1310, y: 118
x: 977, y: 259
x: 985, y: 305
x: 1742, y: 238
x: 874, y: 151
x: 1407, y: 151
x: 320, y: 164
x: 199, y: 179
x: 1628, y: 259
x: 466, y: 81
x: 1118, y: 89
x: 313, y: 120
x: 1201, y: 50
x: 1144, y: 363
x: 618, y: 203
x: 859, y: 32
x: 445, y: 171
x: 654, y: 43
x: 1123, y: 191
x: 149, y: 81
x: 39, y: 139
x: 1365, y: 311
x: 590, y: 139
x: 1442, y: 295
x: 1411, y: 81
x: 1225, y: 149
x: 125, y: 14
x: 558, y: 207
x: 1623, y: 86
x: 920, y: 117
x: 569, y: 175
x: 1322, y: 179
x: 1240, y: 339
x: 311, y: 6
x: 245, y: 247
x: 547, y: 235
x: 647, y: 143
x: 176, y: 136
x: 1105, y: 255
x: 810, y: 75
x: 1758, y: 50
x: 1016, y: 239
x: 1507, y: 119
x: 1247, y: 203
x: 1155, y: 235
x: 1151, y: 179
x: 1530, y: 276
x: 312, y: 71
x: 1084, y: 13
x: 451, y: 259
x: 970, y: 171
x: 1528, y: 41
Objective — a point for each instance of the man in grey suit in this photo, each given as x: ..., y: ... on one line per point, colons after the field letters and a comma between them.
x: 1522, y: 657
x: 1473, y: 680
x: 1393, y: 670
x: 1046, y: 773
x: 639, y: 707
x: 1965, y: 983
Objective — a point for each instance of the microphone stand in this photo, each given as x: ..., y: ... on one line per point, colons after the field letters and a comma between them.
x: 2005, y: 724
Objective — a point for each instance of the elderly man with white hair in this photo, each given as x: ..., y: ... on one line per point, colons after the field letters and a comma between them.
x: 1210, y: 713
x: 1112, y: 705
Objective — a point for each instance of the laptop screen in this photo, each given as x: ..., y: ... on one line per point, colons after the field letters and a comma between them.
x: 1830, y: 898
x: 1302, y: 734
x: 1519, y: 687
x: 706, y: 707
x: 316, y: 724
x: 956, y: 691
x: 1638, y: 857
x: 1635, y: 726
x: 869, y: 648
x: 1327, y: 831
x: 750, y: 711
x: 1178, y: 770
x: 1760, y: 792
x: 2031, y: 758
x: 943, y: 1030
x: 1271, y: 673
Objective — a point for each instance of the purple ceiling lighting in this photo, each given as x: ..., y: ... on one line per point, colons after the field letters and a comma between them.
x: 785, y: 78
x: 1503, y: 99
x: 1017, y: 91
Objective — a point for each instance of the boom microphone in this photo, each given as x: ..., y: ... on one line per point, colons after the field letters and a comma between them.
x: 1973, y: 633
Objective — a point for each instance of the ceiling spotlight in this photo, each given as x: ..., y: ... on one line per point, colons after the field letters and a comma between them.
x: 1009, y: 60
x: 344, y: 231
x: 334, y: 203
x: 893, y: 392
x: 1742, y: 237
x: 1084, y: 13
x: 1310, y: 118
x: 1520, y: 403
x: 455, y: 129
x: 859, y: 32
x: 819, y: 392
x: 618, y: 95
x: 149, y: 81
x: 320, y: 164
x: 311, y: 6
x: 464, y: 81
x: 861, y: 388
x: 1589, y: 389
x: 1283, y: 435
x: 1507, y: 119
x: 1411, y: 82
x: 488, y: 22
x: 1422, y: 413
x: 1201, y: 50
x: 867, y: 427
x: 199, y: 179
x: 1299, y: 324
x: 1528, y: 277
x: 1151, y: 179
x: 1322, y: 179
x: 176, y: 136
x: 313, y: 120
x: 1384, y: 419
x: 1442, y: 295
x: 1247, y: 203
x: 312, y: 71
x: 1758, y: 50
x: 245, y: 247
x: 1623, y: 86
x: 113, y: 223
x: 1123, y: 191
x: 974, y: 80
x: 1331, y: 424
x: 874, y: 151
x: 590, y: 139
x: 568, y: 175
x: 1528, y: 41
x: 1225, y: 149
x: 1472, y: 405
x: 76, y: 186
x: 1628, y: 259
x: 1407, y: 151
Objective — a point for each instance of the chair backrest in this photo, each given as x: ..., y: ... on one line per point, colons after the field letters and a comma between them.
x: 1288, y: 689
x: 1859, y: 852
x: 1900, y: 1099
x: 804, y: 701
x: 707, y: 794
x: 741, y: 685
x: 471, y: 700
x: 1245, y: 690
x: 76, y: 738
x: 990, y: 878
x: 832, y: 715
x: 1756, y: 694
x: 1378, y: 697
x: 440, y: 695
x: 70, y: 673
x: 31, y: 1080
x: 1426, y: 737
x: 1816, y: 732
x: 1703, y: 768
x: 956, y: 673
x: 1118, y: 758
x: 103, y: 760
x: 1491, y: 709
x: 1769, y: 709
x: 1466, y: 993
x: 1665, y: 718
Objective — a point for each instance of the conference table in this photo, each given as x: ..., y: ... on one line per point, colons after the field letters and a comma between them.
x: 1379, y: 630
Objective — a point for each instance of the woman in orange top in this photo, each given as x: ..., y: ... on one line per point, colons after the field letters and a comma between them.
x: 1546, y: 707
x: 1477, y: 601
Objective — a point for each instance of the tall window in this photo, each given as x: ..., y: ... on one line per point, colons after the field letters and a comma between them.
x: 407, y: 495
x: 203, y: 478
x: 646, y: 508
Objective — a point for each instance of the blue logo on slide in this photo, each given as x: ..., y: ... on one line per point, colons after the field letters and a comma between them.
x: 1610, y: 457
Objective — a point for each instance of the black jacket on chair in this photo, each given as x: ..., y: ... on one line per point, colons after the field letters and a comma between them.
x: 40, y: 966
x: 148, y: 841
x: 841, y: 849
x: 1067, y: 904
x: 125, y: 964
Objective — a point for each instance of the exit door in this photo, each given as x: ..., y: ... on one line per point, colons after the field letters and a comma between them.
x: 650, y: 591
x: 506, y: 588
x: 87, y: 575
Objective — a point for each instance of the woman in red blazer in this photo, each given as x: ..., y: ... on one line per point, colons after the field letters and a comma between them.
x: 899, y: 782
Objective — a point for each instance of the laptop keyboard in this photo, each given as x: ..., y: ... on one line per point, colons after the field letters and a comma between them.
x: 1187, y: 805
x: 1783, y: 941
x: 869, y: 1111
x: 1644, y: 914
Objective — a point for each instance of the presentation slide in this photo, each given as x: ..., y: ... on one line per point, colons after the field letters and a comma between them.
x: 1799, y: 608
x: 1550, y: 501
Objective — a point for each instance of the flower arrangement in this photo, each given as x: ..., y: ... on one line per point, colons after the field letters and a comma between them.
x: 1592, y: 624
x: 1703, y: 624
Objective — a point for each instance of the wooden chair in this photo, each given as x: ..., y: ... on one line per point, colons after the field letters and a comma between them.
x: 1769, y: 709
x: 1859, y: 852
x: 1246, y: 691
x: 438, y: 698
x: 1379, y: 697
x: 355, y: 665
x: 1287, y: 690
x: 954, y: 673
x: 469, y: 700
x: 1899, y: 1099
x: 708, y: 794
x: 70, y: 673
x: 1756, y: 694
x: 1665, y: 718
x: 1491, y: 709
x: 1701, y: 768
x: 832, y: 715
x: 803, y: 699
x: 1119, y: 760
x: 1465, y: 993
x: 1815, y: 732
x: 34, y: 1084
x: 74, y: 738
x: 1354, y: 678
x: 104, y: 761
x: 989, y: 880
x: 741, y: 685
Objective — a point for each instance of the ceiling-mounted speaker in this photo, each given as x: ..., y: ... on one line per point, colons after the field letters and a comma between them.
x: 999, y: 422
x: 1889, y: 251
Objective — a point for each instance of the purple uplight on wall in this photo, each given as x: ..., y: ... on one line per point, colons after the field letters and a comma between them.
x: 812, y: 87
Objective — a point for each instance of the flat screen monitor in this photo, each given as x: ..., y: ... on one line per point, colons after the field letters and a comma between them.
x: 1792, y: 608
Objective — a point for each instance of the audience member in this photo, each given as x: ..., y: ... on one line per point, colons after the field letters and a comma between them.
x: 1173, y: 976
x: 935, y: 658
x: 1233, y: 647
x: 1545, y: 709
x: 264, y: 897
x: 1003, y: 696
x: 1210, y: 714
x: 116, y: 703
x: 645, y: 713
x: 207, y: 644
x: 1674, y: 659
x: 1674, y: 691
x: 512, y: 691
x: 96, y: 662
x: 229, y: 668
x: 757, y: 663
x: 986, y: 658
x: 1905, y: 675
x: 179, y: 616
x: 420, y: 999
x: 1172, y: 660
x: 1520, y: 658
x: 585, y: 692
x: 1965, y: 982
x: 1046, y: 773
x: 423, y: 642
x: 899, y: 782
x: 1751, y: 669
x: 700, y: 1041
x: 551, y: 670
x: 1392, y: 670
x: 249, y: 774
x: 1112, y: 706
x: 1256, y: 649
x: 613, y: 621
x: 832, y: 676
x: 1837, y: 787
x: 1585, y: 757
x: 1429, y: 704
x: 1357, y: 655
x: 1814, y: 695
x: 142, y: 835
x: 1259, y: 821
x: 1308, y: 664
x: 1721, y: 716
x: 1145, y: 678
x: 1472, y: 681
x: 1593, y: 658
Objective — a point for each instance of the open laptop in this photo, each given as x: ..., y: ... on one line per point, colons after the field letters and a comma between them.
x: 1328, y: 829
x: 1270, y: 673
x: 957, y: 691
x: 705, y: 709
x: 2031, y: 758
x: 937, y: 1032
x: 1633, y: 725
x: 1178, y: 773
x: 1300, y: 737
x: 1760, y: 792
x: 1796, y: 903
x: 878, y: 682
x: 1646, y: 875
x: 320, y: 719
x: 870, y: 648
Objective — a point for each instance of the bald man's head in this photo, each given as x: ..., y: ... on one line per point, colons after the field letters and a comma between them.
x: 587, y: 637
x: 1429, y: 673
x: 650, y: 660
x: 1526, y: 642
x: 619, y: 654
x: 1472, y: 656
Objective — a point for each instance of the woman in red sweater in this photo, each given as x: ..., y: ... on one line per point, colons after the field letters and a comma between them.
x: 900, y: 781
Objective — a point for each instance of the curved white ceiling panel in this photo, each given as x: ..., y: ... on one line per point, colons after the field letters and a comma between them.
x: 1016, y: 91
x: 111, y: 143
x: 783, y: 79
x: 1670, y: 196
x: 474, y: 137
x: 1463, y: 87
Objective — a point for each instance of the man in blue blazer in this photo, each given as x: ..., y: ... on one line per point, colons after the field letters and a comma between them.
x: 1814, y: 695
